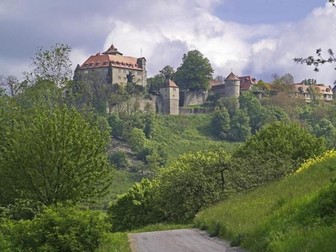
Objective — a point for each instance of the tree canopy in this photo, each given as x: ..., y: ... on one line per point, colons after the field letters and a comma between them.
x: 194, y: 73
x: 53, y: 65
x: 52, y: 155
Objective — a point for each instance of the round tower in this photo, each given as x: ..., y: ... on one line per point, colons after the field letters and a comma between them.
x: 232, y: 86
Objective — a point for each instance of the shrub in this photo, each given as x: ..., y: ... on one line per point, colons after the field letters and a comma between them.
x: 192, y: 183
x: 56, y: 229
x: 136, y: 208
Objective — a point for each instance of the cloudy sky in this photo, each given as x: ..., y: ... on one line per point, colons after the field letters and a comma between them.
x: 249, y: 37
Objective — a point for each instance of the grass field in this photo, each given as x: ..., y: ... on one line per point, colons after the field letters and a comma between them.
x: 297, y: 213
x: 187, y: 133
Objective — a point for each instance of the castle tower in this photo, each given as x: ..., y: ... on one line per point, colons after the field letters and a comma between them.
x: 170, y: 96
x: 232, y: 86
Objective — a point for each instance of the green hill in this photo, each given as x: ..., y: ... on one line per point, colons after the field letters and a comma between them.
x: 297, y: 213
x: 187, y: 133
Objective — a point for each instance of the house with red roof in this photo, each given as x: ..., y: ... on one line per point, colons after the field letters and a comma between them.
x: 115, y: 68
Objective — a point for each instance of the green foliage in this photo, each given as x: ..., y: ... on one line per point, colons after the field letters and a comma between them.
x: 221, y: 122
x: 136, y: 208
x: 191, y: 183
x: 137, y: 140
x: 52, y: 65
x: 296, y: 213
x: 187, y: 133
x: 119, y: 160
x: 288, y: 140
x: 114, y: 242
x: 240, y: 126
x: 53, y: 155
x: 194, y: 73
x: 42, y: 93
x: 58, y: 228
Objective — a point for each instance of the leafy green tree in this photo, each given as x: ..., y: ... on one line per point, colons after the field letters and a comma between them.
x: 221, y: 123
x: 230, y: 103
x: 52, y: 65
x: 137, y: 140
x: 240, y: 126
x: 42, y: 93
x: 52, y: 155
x: 288, y: 140
x: 192, y: 183
x: 136, y: 208
x: 168, y: 72
x: 195, y: 72
x: 251, y: 104
x: 282, y: 83
x: 324, y: 128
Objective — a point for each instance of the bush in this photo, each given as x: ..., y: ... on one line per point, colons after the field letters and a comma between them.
x: 56, y: 229
x: 192, y: 183
x: 275, y: 151
x: 119, y: 160
x: 136, y: 208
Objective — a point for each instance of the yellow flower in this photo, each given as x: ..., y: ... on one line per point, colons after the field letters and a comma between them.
x: 309, y: 162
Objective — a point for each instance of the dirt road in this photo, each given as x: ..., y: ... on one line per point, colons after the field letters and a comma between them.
x: 182, y: 240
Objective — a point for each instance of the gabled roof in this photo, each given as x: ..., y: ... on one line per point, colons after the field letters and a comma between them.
x: 232, y: 76
x: 116, y: 60
x: 112, y: 50
x: 171, y: 83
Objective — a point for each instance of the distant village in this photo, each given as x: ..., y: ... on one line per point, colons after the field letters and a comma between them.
x: 112, y: 67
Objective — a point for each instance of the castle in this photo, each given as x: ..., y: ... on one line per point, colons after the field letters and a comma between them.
x: 111, y: 67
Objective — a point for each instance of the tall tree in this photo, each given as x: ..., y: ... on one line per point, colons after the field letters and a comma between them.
x: 53, y: 155
x: 168, y: 72
x: 12, y: 85
x: 195, y: 72
x: 53, y: 65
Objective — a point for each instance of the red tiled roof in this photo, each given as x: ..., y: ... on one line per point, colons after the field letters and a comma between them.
x: 246, y: 82
x: 171, y: 83
x: 103, y: 60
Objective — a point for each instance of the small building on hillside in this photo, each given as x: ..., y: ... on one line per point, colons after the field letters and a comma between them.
x: 169, y: 98
x: 112, y: 67
x: 313, y: 91
x: 230, y: 88
x: 246, y: 83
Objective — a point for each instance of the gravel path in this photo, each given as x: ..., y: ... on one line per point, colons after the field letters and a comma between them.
x: 181, y: 240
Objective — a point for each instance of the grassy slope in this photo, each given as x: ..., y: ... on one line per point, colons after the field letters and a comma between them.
x: 282, y: 216
x: 187, y: 133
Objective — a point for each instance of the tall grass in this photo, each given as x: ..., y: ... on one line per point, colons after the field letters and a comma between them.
x: 187, y: 133
x: 282, y: 216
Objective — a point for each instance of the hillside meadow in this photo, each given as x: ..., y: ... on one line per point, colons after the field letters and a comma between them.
x: 296, y: 213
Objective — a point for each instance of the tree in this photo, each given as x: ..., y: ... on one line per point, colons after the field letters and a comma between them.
x: 221, y: 122
x: 53, y: 65
x: 194, y: 73
x: 168, y: 72
x: 12, y: 85
x: 240, y: 126
x: 288, y: 140
x: 53, y: 155
x: 282, y: 83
